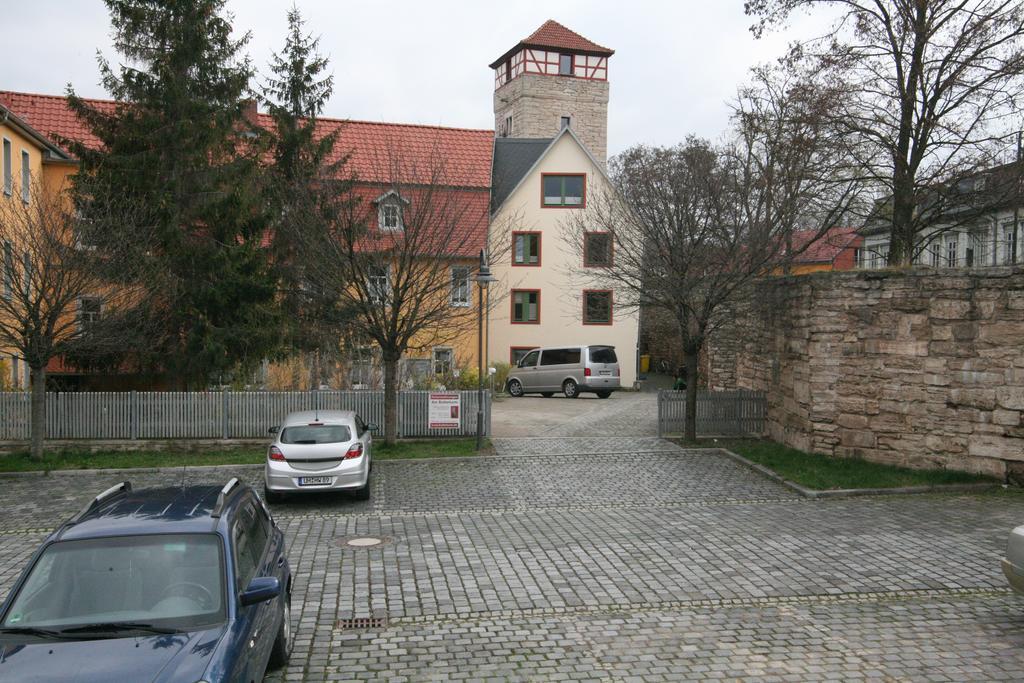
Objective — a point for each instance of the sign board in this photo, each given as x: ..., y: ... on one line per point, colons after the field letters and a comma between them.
x: 445, y: 410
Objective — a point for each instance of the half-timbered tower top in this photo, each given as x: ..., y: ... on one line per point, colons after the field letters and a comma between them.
x: 549, y: 80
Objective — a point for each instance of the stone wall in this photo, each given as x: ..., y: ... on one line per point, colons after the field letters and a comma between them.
x: 920, y: 368
x: 537, y: 104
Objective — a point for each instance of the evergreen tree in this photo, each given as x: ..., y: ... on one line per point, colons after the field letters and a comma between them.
x: 306, y: 189
x: 180, y: 150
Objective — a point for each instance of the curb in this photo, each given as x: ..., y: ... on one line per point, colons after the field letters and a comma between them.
x: 815, y: 494
x: 129, y: 470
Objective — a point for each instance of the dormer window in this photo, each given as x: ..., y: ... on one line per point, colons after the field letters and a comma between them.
x: 565, y: 65
x: 390, y: 217
x: 390, y: 206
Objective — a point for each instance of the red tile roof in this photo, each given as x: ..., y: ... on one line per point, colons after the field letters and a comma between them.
x: 375, y: 149
x: 554, y: 36
x: 51, y: 116
x: 379, y: 153
x: 828, y: 248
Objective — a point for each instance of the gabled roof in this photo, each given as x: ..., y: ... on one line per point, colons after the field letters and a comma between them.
x: 379, y: 153
x: 51, y: 115
x: 466, y: 152
x: 553, y: 36
x: 513, y: 158
x: 509, y: 179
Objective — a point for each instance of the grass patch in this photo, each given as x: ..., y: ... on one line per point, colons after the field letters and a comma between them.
x: 86, y: 460
x: 430, y: 448
x: 825, y: 472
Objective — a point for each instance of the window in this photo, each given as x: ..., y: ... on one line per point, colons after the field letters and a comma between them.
x: 529, y: 360
x: 507, y: 130
x: 564, y: 190
x: 951, y: 252
x: 1009, y: 245
x: 89, y: 310
x: 559, y: 356
x: 26, y: 271
x: 8, y: 174
x: 390, y: 216
x: 856, y: 258
x: 517, y: 353
x: 526, y: 248
x: 26, y: 176
x: 508, y: 72
x: 250, y: 542
x: 526, y: 306
x: 934, y: 254
x: 566, y: 122
x: 8, y: 268
x: 565, y: 65
x: 597, y: 250
x: 315, y: 434
x: 442, y: 358
x: 460, y: 285
x: 378, y: 285
x: 603, y: 354
x: 597, y: 307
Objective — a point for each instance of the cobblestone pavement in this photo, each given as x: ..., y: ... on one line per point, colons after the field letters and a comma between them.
x: 595, y: 564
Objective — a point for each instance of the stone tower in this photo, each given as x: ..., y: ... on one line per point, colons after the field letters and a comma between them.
x: 553, y: 78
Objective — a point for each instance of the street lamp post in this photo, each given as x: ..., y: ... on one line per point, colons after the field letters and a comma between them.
x: 483, y: 278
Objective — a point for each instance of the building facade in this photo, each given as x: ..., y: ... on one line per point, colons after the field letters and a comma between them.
x: 550, y: 107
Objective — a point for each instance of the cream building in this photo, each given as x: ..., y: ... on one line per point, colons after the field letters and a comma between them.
x: 543, y: 171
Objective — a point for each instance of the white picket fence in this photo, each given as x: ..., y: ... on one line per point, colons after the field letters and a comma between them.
x: 719, y: 413
x: 215, y: 414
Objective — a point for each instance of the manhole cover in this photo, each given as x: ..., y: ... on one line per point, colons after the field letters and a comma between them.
x: 363, y: 542
x: 362, y: 623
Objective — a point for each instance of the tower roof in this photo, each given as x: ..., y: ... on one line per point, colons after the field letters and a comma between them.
x: 552, y: 35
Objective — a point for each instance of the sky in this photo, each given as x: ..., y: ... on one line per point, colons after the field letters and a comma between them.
x: 675, y: 68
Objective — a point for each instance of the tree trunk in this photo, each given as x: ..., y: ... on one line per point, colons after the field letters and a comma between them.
x: 38, y: 411
x: 390, y: 397
x: 691, y: 394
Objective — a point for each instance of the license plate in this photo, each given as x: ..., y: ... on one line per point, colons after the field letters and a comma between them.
x: 314, y: 481
x: 604, y: 372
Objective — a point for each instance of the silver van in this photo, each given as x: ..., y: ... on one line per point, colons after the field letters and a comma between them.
x: 568, y: 369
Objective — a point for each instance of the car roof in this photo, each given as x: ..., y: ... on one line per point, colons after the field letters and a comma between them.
x: 305, y: 417
x: 167, y: 510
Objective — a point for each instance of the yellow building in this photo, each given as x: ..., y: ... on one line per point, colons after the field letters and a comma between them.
x: 29, y: 163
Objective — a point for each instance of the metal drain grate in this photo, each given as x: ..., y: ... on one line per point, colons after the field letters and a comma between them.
x: 362, y: 623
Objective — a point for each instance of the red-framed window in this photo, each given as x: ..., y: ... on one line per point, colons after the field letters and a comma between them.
x: 517, y: 353
x: 563, y: 190
x: 525, y: 307
x: 598, y: 250
x: 525, y: 248
x: 597, y: 307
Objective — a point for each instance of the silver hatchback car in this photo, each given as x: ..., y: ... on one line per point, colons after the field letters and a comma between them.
x: 324, y: 450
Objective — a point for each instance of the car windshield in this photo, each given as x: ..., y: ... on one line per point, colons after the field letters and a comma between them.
x: 173, y: 581
x: 603, y: 354
x: 313, y: 434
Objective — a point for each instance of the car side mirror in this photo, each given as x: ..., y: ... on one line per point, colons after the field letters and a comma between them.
x: 261, y: 589
x: 371, y: 426
x: 273, y: 430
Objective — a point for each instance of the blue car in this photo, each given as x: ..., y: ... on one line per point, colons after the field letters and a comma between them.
x: 187, y: 584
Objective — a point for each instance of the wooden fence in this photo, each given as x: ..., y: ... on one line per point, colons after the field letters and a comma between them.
x: 215, y: 414
x: 719, y: 413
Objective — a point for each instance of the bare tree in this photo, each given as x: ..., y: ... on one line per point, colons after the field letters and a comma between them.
x: 694, y: 225
x: 398, y: 257
x: 930, y: 87
x: 53, y: 298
